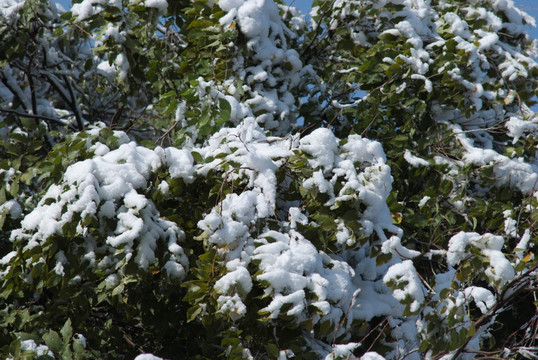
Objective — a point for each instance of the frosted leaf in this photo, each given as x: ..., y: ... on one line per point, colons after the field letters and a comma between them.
x: 180, y: 163
x: 175, y: 270
x: 483, y: 298
x: 295, y: 216
x: 110, y: 186
x: 318, y: 181
x: 296, y: 299
x: 394, y: 246
x: 344, y: 351
x: 13, y: 208
x: 84, y: 9
x: 517, y: 127
x: 39, y: 350
x: 238, y: 280
x: 322, y: 145
x: 406, y: 274
x: 232, y: 305
x: 490, y: 245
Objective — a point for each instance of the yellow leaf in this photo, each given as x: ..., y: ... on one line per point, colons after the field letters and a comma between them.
x: 510, y: 97
x: 527, y: 257
x: 397, y: 218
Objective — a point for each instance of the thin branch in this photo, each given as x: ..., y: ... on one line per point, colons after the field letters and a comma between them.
x: 32, y: 89
x: 167, y: 132
x: 74, y: 104
x: 318, y: 32
x: 499, y: 305
x: 15, y: 93
x: 36, y: 116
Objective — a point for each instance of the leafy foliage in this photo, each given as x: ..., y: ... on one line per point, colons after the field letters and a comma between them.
x: 224, y: 179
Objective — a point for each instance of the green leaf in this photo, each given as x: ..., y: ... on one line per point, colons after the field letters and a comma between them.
x: 225, y: 111
x: 197, y: 157
x: 444, y: 293
x: 67, y: 331
x: 272, y: 350
x: 15, y: 347
x: 471, y: 331
x: 205, y: 117
x: 28, y: 123
x: 424, y: 346
x: 78, y: 346
x: 193, y: 312
x: 53, y: 341
x: 118, y: 290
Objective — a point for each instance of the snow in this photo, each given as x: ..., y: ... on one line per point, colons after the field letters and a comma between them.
x: 104, y: 68
x: 318, y: 181
x: 296, y: 216
x: 427, y: 82
x: 405, y: 273
x: 7, y: 258
x: 232, y: 305
x: 115, y: 33
x: 490, y: 246
x: 237, y: 280
x: 39, y: 350
x: 345, y: 351
x: 517, y: 127
x: 257, y: 232
x: 423, y: 201
x: 123, y: 66
x: 289, y: 264
x: 371, y: 355
x: 271, y: 63
x: 394, y: 246
x: 84, y: 9
x: 210, y: 223
x: 175, y: 270
x: 458, y: 27
x: 135, y: 200
x: 111, y: 186
x: 414, y: 160
x: 60, y: 260
x: 510, y: 225
x: 112, y: 280
x: 161, y: 5
x: 487, y: 41
x: 9, y: 8
x: 13, y: 208
x: 483, y: 298
x: 180, y: 164
x: 523, y: 243
x: 516, y: 172
x: 147, y: 357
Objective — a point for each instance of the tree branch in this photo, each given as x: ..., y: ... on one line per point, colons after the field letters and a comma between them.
x: 36, y: 116
x: 74, y: 104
